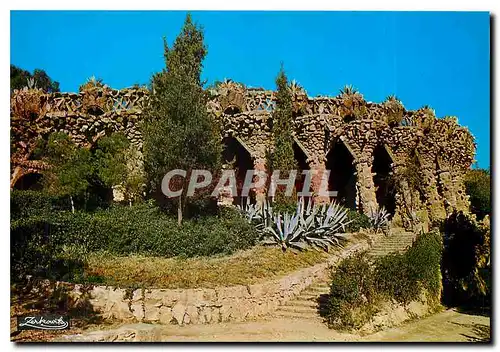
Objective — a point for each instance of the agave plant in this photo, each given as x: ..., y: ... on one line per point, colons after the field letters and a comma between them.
x: 250, y: 211
x: 260, y: 215
x: 31, y: 83
x: 348, y: 90
x: 286, y: 231
x: 91, y: 82
x: 322, y: 224
x: 330, y: 220
x: 296, y: 88
x: 379, y: 219
x: 392, y: 98
x: 318, y: 226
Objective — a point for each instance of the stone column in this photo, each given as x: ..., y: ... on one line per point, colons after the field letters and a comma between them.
x: 448, y: 190
x: 408, y: 204
x: 259, y: 164
x: 226, y: 196
x: 365, y: 186
x: 318, y: 167
x: 434, y: 201
x: 461, y: 197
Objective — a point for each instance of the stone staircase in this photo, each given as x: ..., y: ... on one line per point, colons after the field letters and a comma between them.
x: 310, y: 301
x: 307, y: 303
x: 397, y: 241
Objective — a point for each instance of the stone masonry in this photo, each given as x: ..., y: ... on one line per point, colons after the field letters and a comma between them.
x: 443, y: 148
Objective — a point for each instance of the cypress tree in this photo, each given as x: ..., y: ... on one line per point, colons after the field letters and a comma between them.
x: 282, y: 156
x: 178, y: 131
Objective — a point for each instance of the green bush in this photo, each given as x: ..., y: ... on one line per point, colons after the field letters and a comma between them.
x: 358, y: 221
x: 466, y: 264
x: 403, y: 276
x: 359, y: 286
x: 25, y: 204
x: 478, y: 187
x: 37, y: 250
x: 39, y: 241
x: 351, y: 302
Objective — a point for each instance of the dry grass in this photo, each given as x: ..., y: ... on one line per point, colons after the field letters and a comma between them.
x: 242, y: 268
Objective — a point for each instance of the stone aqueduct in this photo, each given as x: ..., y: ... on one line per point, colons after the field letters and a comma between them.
x: 362, y: 142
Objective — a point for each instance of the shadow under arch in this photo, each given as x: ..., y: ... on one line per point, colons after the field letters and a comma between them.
x: 232, y: 110
x: 340, y: 162
x: 238, y: 158
x: 382, y: 168
x: 300, y: 157
x: 30, y: 181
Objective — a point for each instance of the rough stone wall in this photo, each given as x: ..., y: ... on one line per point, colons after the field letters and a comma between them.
x: 445, y: 149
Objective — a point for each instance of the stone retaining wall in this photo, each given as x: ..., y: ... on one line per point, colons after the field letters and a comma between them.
x: 204, y: 305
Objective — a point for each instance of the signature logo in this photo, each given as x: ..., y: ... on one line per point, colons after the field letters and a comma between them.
x: 53, y: 322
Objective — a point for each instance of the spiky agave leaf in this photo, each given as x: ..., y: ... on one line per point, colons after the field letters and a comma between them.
x: 379, y: 219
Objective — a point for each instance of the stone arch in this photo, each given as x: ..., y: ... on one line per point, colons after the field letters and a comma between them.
x: 235, y: 156
x: 232, y: 110
x: 29, y: 181
x: 382, y: 171
x: 340, y: 162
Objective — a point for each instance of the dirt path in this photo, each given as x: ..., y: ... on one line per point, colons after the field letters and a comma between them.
x: 447, y: 326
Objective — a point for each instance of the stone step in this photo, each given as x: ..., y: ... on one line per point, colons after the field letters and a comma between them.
x: 388, y: 248
x: 300, y: 303
x: 402, y: 240
x: 304, y: 296
x: 316, y: 290
x: 309, y: 315
x: 298, y: 309
x: 392, y: 242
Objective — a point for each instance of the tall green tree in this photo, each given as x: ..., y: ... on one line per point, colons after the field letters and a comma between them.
x: 71, y: 167
x: 282, y: 156
x: 116, y: 164
x: 19, y: 79
x: 178, y: 132
x: 110, y: 159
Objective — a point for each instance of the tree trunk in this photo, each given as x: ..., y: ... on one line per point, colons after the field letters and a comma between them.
x: 179, y: 211
x: 72, y: 204
x: 130, y: 202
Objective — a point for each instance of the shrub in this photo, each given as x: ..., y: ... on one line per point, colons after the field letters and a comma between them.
x: 39, y: 241
x: 357, y: 221
x: 478, y: 187
x: 351, y: 302
x: 25, y: 204
x: 403, y: 276
x: 466, y: 261
x: 359, y: 286
x: 36, y: 249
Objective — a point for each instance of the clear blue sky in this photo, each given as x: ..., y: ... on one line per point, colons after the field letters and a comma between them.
x: 437, y: 58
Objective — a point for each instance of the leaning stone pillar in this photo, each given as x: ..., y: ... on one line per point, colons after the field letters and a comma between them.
x: 434, y: 201
x: 365, y: 186
x: 448, y: 190
x: 461, y: 197
x: 408, y: 204
x: 259, y: 164
x: 318, y: 168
